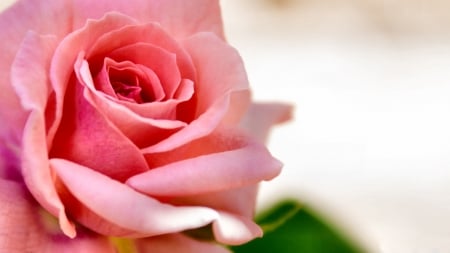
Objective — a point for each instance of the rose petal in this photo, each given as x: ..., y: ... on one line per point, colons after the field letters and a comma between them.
x: 82, y: 243
x: 32, y: 87
x: 177, y: 243
x: 64, y: 58
x: 10, y: 161
x: 16, y: 217
x: 240, y: 201
x: 152, y: 34
x: 142, y: 74
x: 139, y: 130
x: 262, y: 116
x: 220, y: 72
x: 129, y: 209
x: 182, y: 18
x: 106, y: 80
x: 29, y: 70
x: 162, y: 62
x: 234, y: 229
x: 164, y: 110
x: 84, y: 132
x: 247, y: 162
x: 23, y: 228
x: 221, y: 89
x: 37, y: 174
x: 13, y: 30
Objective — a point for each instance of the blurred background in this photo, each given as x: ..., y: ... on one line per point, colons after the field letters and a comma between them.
x: 370, y: 80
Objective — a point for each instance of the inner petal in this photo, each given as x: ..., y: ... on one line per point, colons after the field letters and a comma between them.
x: 159, y: 60
x: 128, y: 81
x: 126, y: 84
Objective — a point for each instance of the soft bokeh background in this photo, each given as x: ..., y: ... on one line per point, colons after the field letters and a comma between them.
x: 370, y: 80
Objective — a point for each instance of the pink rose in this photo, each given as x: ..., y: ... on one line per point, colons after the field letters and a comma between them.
x: 126, y: 119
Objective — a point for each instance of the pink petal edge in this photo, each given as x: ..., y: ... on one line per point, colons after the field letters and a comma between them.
x: 248, y: 163
x: 130, y: 209
x: 262, y: 116
x: 35, y: 54
x: 181, y: 18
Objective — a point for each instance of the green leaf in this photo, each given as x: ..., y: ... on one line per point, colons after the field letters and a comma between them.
x: 290, y: 227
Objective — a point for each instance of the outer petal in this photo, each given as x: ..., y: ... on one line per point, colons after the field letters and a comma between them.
x: 17, y: 219
x: 221, y: 72
x: 240, y: 201
x: 122, y: 206
x: 32, y: 87
x: 182, y: 18
x: 13, y: 30
x: 142, y: 215
x: 9, y: 162
x: 82, y: 243
x: 177, y: 243
x: 233, y: 229
x: 261, y: 117
x: 245, y: 163
x: 23, y: 229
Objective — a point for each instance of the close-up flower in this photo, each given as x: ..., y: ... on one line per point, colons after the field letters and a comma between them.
x: 127, y: 120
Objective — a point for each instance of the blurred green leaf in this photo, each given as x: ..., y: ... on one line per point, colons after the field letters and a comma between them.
x: 289, y: 227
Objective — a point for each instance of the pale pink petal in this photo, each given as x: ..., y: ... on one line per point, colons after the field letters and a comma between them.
x: 196, y: 129
x: 122, y: 206
x: 13, y: 30
x: 23, y: 228
x: 246, y: 162
x: 262, y: 116
x: 180, y: 17
x: 37, y: 174
x: 29, y: 71
x: 236, y: 208
x: 31, y: 83
x: 177, y: 243
x: 220, y: 72
x: 233, y: 229
x: 240, y: 201
x: 221, y: 90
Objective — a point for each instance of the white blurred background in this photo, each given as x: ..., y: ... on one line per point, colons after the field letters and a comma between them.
x: 370, y: 142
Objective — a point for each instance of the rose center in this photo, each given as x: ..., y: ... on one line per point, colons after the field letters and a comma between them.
x: 125, y: 85
x: 128, y: 86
